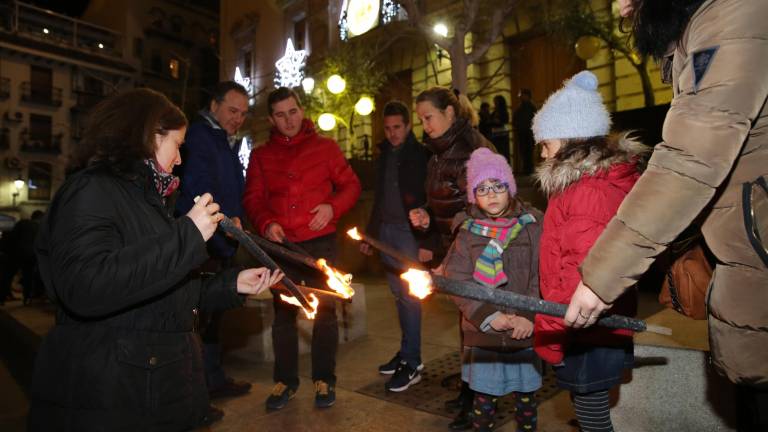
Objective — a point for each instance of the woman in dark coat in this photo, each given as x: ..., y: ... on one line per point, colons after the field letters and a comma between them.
x: 449, y: 122
x: 123, y: 355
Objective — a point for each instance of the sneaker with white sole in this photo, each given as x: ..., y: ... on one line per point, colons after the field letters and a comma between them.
x: 391, y: 366
x: 404, y: 377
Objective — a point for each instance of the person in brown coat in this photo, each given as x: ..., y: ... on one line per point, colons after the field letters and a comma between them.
x: 715, y: 149
x: 497, y: 246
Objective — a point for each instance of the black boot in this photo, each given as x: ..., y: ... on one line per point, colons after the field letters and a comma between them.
x: 465, y: 396
x: 463, y: 421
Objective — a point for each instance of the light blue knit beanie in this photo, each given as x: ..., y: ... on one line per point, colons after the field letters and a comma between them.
x: 574, y: 111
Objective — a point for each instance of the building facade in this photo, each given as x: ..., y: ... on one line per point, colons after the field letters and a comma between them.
x: 55, y: 68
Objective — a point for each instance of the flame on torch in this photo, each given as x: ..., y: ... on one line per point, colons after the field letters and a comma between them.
x: 312, y: 299
x: 419, y: 282
x: 337, y: 281
x: 354, y: 234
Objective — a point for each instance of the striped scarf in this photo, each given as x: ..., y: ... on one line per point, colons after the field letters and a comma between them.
x: 489, y: 268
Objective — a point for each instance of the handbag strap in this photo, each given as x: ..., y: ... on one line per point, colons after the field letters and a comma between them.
x: 673, y: 293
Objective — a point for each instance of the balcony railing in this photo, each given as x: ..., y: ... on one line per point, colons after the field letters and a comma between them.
x: 41, y: 143
x: 85, y: 100
x: 50, y: 96
x: 44, y: 25
x: 5, y: 88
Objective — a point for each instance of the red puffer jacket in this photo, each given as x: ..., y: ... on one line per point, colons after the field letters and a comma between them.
x: 288, y: 177
x: 584, y: 194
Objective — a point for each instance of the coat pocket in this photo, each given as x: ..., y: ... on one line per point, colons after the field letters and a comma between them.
x: 754, y: 202
x: 158, y: 374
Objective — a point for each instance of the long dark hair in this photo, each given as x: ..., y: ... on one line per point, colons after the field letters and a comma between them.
x: 658, y: 23
x: 121, y: 129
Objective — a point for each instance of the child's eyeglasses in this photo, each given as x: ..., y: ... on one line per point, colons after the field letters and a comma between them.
x: 498, y: 188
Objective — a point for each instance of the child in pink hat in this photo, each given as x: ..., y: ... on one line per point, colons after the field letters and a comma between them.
x: 497, y: 247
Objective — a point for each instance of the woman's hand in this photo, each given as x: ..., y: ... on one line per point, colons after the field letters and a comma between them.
x: 256, y: 280
x: 205, y: 215
x: 419, y: 218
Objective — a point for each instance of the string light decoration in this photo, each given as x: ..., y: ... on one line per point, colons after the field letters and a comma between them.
x: 290, y: 68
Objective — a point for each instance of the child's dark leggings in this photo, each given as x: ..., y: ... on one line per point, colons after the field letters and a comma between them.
x: 484, y: 409
x: 593, y: 411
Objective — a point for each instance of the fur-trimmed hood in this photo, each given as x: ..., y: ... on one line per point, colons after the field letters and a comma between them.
x: 571, y: 163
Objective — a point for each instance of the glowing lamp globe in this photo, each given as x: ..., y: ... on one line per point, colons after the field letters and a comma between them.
x: 336, y: 84
x: 587, y: 47
x: 326, y: 121
x: 440, y: 29
x: 308, y: 84
x: 364, y: 106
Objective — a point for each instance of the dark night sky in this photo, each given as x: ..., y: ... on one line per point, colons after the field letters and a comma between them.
x: 72, y: 8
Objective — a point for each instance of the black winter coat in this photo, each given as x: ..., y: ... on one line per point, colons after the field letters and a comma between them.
x: 447, y: 176
x: 123, y: 355
x: 412, y: 176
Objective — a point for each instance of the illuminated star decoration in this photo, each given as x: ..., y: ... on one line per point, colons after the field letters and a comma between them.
x: 243, y: 81
x: 290, y: 67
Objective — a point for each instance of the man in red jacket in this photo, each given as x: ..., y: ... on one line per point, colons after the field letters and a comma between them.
x: 297, y: 187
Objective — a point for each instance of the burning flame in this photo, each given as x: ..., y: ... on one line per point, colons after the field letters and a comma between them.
x: 313, y: 301
x: 354, y: 234
x: 337, y: 281
x: 419, y: 282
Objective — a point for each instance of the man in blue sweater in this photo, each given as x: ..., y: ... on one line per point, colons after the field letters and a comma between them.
x: 212, y: 164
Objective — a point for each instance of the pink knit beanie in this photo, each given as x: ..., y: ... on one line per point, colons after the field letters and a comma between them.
x: 484, y: 164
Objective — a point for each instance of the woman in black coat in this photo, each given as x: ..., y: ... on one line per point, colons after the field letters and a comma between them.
x: 123, y: 355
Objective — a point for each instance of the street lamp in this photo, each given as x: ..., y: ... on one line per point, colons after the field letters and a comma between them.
x: 336, y: 84
x: 364, y: 106
x: 441, y: 29
x: 18, y: 184
x: 308, y: 84
x: 326, y: 121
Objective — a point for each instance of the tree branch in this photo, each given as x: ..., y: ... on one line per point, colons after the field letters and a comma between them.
x: 497, y: 25
x: 415, y: 18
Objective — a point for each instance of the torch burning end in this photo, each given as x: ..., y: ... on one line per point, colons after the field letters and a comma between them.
x: 337, y: 281
x: 419, y: 282
x: 313, y: 302
x: 354, y: 234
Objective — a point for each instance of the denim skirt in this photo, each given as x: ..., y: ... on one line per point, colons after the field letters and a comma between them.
x: 587, y: 369
x: 500, y: 373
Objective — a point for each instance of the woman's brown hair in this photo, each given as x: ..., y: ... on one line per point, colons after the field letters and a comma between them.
x: 441, y: 98
x: 121, y: 129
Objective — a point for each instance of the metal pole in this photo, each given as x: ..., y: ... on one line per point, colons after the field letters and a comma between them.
x: 475, y: 291
x: 244, y: 239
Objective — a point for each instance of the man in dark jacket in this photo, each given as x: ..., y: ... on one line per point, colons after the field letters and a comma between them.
x: 211, y: 164
x: 521, y: 125
x: 401, y: 173
x: 298, y: 186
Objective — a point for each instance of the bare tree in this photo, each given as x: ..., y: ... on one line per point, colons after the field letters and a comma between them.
x: 471, y: 18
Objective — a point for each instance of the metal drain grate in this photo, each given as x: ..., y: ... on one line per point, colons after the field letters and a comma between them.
x: 434, y: 389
